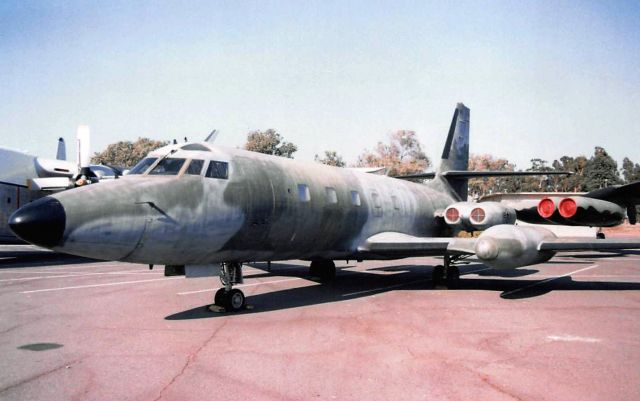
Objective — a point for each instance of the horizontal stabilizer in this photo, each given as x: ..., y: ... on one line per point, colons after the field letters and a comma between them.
x: 478, y: 174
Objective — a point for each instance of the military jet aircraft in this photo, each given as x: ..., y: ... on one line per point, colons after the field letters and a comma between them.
x: 196, y: 205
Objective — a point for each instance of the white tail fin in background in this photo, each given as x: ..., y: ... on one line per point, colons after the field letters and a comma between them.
x: 84, y: 146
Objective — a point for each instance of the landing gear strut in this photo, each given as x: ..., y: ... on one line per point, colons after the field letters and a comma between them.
x: 325, y: 269
x: 448, y: 275
x: 229, y: 298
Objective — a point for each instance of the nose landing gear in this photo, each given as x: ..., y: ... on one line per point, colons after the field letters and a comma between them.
x: 229, y: 299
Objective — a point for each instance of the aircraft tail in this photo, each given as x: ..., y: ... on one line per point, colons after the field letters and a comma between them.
x: 455, y: 155
x: 61, y: 153
x: 454, y: 164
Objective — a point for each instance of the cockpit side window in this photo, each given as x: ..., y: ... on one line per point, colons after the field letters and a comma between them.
x: 167, y: 167
x: 218, y: 170
x: 142, y: 165
x: 195, y: 167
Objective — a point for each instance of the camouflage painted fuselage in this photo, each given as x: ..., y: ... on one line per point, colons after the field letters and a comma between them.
x: 261, y: 212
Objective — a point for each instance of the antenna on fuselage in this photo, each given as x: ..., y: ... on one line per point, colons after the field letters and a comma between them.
x: 212, y: 136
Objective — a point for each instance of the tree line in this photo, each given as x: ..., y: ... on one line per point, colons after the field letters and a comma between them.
x: 403, y: 154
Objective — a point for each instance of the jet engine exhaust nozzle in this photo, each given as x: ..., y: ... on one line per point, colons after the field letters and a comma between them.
x: 41, y: 222
x: 546, y: 208
x: 567, y: 208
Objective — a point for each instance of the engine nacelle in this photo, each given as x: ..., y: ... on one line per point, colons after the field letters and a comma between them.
x: 581, y: 211
x: 509, y: 246
x: 471, y: 216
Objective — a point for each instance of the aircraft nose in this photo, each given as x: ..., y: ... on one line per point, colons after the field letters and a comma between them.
x: 41, y: 222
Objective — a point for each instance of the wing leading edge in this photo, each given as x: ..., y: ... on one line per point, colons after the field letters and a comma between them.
x: 398, y: 245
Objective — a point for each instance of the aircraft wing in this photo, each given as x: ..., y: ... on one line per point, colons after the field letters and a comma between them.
x: 588, y: 244
x: 398, y: 245
x: 393, y: 244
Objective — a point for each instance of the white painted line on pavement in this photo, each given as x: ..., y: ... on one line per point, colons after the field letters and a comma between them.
x: 100, y: 285
x: 548, y: 280
x: 74, y: 275
x: 570, y: 338
x: 54, y: 267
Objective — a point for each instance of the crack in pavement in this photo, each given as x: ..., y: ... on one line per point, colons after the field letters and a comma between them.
x: 192, y: 356
x: 40, y: 375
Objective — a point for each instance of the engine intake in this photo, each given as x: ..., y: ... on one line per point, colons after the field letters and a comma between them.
x: 470, y: 216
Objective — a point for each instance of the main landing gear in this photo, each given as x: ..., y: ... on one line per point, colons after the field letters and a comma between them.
x: 229, y: 299
x: 324, y: 269
x: 447, y: 275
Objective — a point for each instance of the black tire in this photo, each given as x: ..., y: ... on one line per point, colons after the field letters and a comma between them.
x: 600, y: 236
x: 437, y: 276
x: 453, y: 277
x: 234, y: 300
x: 218, y: 299
x: 325, y: 270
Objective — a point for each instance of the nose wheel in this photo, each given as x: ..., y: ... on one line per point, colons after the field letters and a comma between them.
x: 229, y: 299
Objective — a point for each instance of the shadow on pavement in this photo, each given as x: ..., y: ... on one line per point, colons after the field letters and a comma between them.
x: 350, y: 285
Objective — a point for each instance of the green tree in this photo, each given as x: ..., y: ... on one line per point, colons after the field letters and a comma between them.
x: 269, y: 142
x: 630, y: 171
x: 402, y: 155
x: 331, y: 158
x: 601, y: 171
x: 126, y: 154
x: 574, y: 182
x: 479, y: 187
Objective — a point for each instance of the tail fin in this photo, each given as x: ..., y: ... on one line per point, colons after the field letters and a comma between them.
x: 455, y: 155
x: 61, y: 153
x: 84, y: 146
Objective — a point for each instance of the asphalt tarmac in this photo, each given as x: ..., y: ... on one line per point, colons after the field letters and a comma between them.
x: 77, y: 329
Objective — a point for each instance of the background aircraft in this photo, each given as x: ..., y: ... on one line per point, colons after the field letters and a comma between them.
x: 204, y: 209
x: 24, y: 177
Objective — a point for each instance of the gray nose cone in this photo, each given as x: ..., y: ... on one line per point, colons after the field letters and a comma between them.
x: 487, y: 249
x: 41, y: 222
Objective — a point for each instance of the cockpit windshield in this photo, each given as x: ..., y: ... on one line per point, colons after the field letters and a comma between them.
x: 142, y: 165
x: 167, y: 167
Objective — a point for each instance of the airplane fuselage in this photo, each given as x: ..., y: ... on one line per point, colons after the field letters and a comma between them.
x: 268, y: 208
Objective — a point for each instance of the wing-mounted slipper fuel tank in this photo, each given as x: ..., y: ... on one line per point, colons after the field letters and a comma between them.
x: 509, y: 246
x: 472, y: 216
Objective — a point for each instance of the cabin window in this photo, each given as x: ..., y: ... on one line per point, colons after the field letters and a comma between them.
x: 218, y: 170
x: 395, y: 202
x: 332, y: 197
x: 167, y: 167
x: 355, y: 198
x: 377, y: 205
x: 142, y: 165
x: 376, y: 200
x: 303, y: 193
x: 195, y: 167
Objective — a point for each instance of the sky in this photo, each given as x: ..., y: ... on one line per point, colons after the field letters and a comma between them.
x: 542, y: 79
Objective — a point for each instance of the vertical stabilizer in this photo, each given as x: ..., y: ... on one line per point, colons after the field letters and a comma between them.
x: 84, y: 146
x: 61, y: 153
x: 455, y: 155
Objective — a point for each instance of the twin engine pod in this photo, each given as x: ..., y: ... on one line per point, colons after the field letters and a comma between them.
x: 508, y: 247
x: 471, y: 216
x: 580, y: 210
